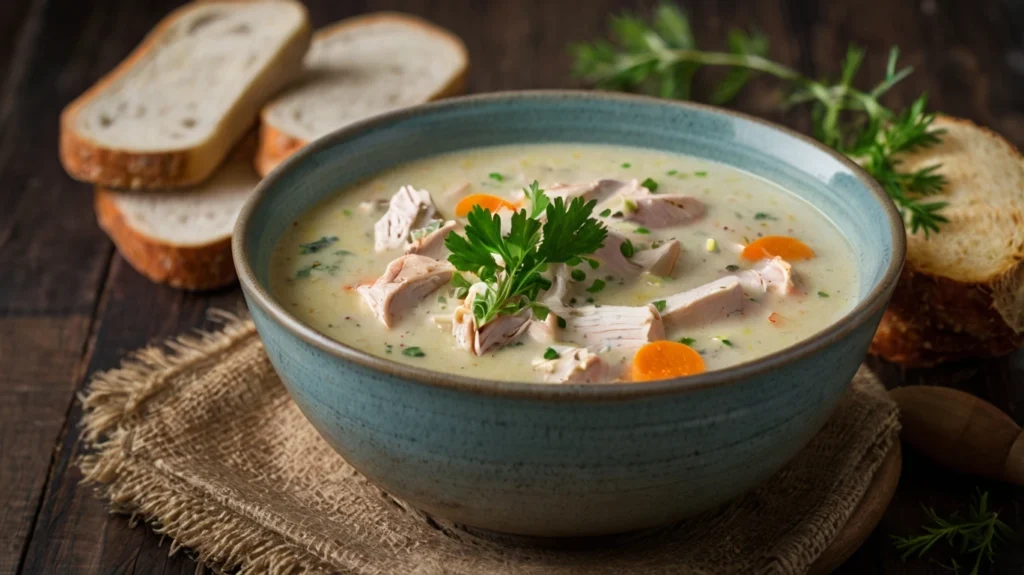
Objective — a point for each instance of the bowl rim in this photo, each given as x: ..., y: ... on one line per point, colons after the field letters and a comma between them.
x: 871, y: 304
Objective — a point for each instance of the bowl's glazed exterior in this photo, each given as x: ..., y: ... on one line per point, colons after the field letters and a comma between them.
x: 569, y: 460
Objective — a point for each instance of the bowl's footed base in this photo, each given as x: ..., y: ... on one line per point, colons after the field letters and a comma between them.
x: 576, y: 543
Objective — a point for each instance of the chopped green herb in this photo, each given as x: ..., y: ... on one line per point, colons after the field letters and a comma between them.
x: 550, y: 353
x: 617, y: 215
x: 574, y: 261
x: 413, y: 352
x: 732, y: 268
x: 687, y: 341
x: 561, y: 321
x: 627, y: 248
x: 461, y: 286
x: 578, y: 275
x: 590, y: 300
x: 329, y: 269
x: 541, y: 311
x: 314, y: 247
x: 594, y: 264
x: 606, y: 212
x: 642, y: 231
x: 700, y: 174
x: 629, y: 205
x: 388, y: 348
x: 442, y: 299
x: 426, y: 230
x: 764, y: 216
x: 347, y: 212
x: 723, y: 341
x: 650, y: 185
x: 660, y: 305
x: 627, y: 165
x: 342, y: 253
x: 597, y: 286
x: 304, y: 272
x: 822, y: 294
x: 496, y: 177
x: 671, y: 172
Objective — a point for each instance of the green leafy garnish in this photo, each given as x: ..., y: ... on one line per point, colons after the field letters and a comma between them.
x: 305, y: 272
x: 538, y: 201
x: 723, y: 341
x: 732, y: 268
x: 606, y: 212
x: 660, y: 305
x: 342, y: 253
x: 568, y: 232
x: 540, y: 310
x: 822, y: 294
x: 650, y: 185
x: 671, y: 173
x: 496, y: 177
x: 561, y: 321
x: 578, y: 275
x: 687, y: 341
x: 597, y: 286
x: 550, y: 353
x: 315, y: 246
x: 627, y: 249
x: 701, y: 174
x: 979, y: 533
x: 461, y: 286
x: 764, y: 216
x: 627, y: 165
x: 347, y: 212
x: 594, y: 264
x: 413, y: 352
x: 661, y: 57
x: 642, y: 231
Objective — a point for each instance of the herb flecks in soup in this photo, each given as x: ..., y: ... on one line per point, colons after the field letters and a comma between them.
x: 565, y: 263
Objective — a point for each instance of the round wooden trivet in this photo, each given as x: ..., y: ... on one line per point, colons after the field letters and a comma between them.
x: 866, y: 517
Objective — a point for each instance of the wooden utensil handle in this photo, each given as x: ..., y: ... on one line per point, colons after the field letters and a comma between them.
x: 961, y: 431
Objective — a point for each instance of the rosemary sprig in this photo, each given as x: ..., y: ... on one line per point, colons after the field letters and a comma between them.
x: 661, y: 58
x: 978, y: 534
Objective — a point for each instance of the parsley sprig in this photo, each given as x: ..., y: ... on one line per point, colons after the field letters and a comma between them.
x: 662, y: 57
x: 513, y: 278
x: 978, y: 534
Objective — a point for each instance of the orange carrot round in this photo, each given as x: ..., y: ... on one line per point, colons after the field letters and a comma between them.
x: 784, y: 247
x: 665, y: 360
x: 485, y: 201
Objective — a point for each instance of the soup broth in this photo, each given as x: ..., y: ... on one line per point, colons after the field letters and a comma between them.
x: 329, y: 251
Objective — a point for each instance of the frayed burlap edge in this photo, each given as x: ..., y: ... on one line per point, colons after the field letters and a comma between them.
x: 222, y: 539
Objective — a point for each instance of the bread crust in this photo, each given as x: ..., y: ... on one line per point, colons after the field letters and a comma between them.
x: 202, y: 267
x: 275, y: 145
x: 933, y: 318
x: 89, y: 161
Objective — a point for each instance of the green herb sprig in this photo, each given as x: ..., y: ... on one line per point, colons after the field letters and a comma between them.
x: 979, y: 534
x: 567, y: 234
x: 662, y: 57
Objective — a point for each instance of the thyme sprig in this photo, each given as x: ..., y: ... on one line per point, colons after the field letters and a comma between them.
x: 662, y: 57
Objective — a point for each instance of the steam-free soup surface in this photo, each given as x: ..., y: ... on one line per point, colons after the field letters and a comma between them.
x: 330, y: 249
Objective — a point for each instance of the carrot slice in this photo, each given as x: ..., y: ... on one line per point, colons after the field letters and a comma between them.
x: 485, y: 201
x: 664, y: 360
x: 784, y: 247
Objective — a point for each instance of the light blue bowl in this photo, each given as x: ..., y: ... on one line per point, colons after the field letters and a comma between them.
x: 568, y: 460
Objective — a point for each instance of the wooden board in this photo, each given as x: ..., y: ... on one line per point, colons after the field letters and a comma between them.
x: 866, y: 517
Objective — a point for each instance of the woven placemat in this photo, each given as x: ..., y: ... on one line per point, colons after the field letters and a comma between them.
x: 199, y: 438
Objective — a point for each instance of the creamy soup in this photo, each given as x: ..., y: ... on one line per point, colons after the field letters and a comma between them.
x: 726, y: 264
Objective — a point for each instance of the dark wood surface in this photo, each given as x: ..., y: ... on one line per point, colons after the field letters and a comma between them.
x: 69, y: 305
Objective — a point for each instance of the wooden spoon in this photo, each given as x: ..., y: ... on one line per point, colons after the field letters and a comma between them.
x: 961, y: 431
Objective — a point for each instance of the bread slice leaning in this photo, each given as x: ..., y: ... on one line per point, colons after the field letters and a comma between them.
x: 961, y: 293
x: 181, y: 237
x: 356, y: 69
x: 170, y: 113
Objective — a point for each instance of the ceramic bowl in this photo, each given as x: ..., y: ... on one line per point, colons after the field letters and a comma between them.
x: 568, y: 460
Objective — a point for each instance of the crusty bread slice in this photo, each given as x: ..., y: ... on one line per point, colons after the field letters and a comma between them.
x: 961, y: 293
x: 170, y: 113
x: 356, y: 69
x: 181, y: 237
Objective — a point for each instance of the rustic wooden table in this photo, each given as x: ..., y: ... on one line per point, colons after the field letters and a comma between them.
x: 69, y: 305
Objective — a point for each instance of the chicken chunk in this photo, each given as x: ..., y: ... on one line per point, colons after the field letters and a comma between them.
x: 429, y: 240
x: 661, y: 260
x: 408, y: 209
x: 599, y: 190
x: 600, y: 327
x: 639, y: 205
x: 573, y: 365
x: 404, y: 284
x: 704, y: 304
x: 495, y: 334
x: 775, y: 275
x: 613, y: 261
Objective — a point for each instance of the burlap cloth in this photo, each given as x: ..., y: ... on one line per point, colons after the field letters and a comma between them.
x: 199, y: 438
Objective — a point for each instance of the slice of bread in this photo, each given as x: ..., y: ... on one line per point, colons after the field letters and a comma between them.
x: 961, y: 293
x: 181, y: 237
x: 356, y: 69
x: 170, y: 113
